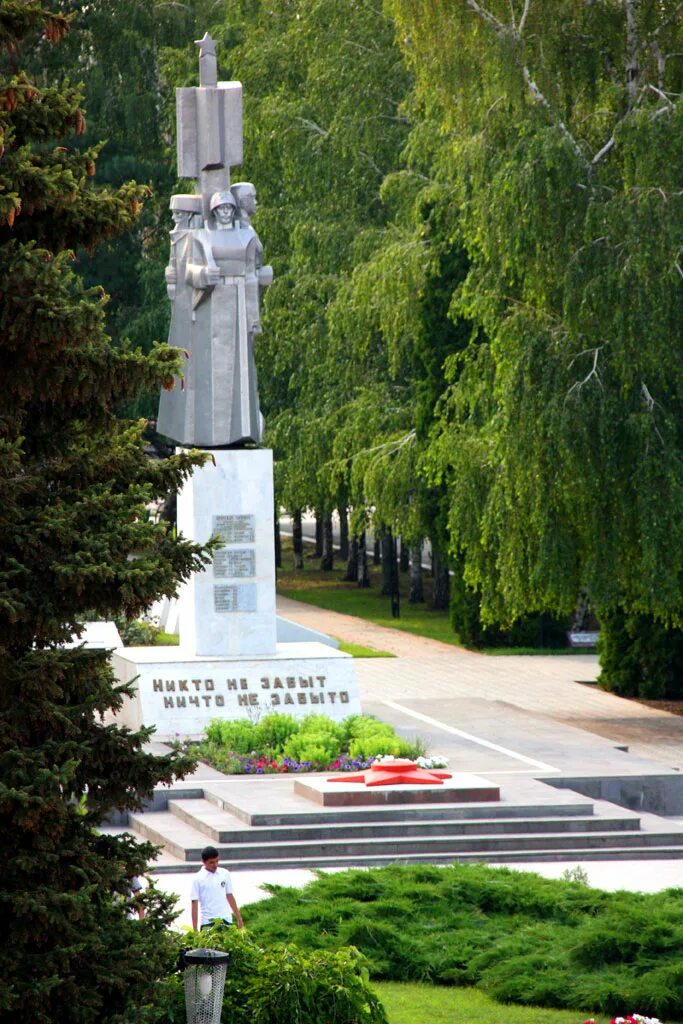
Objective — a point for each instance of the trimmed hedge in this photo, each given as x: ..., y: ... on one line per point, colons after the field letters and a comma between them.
x: 521, y: 938
x: 639, y: 656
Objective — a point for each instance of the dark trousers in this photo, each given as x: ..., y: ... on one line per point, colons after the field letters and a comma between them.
x: 218, y: 922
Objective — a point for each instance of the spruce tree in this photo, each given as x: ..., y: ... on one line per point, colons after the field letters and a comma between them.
x: 75, y: 542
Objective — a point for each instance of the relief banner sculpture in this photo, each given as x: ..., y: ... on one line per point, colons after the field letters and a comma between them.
x: 215, y: 276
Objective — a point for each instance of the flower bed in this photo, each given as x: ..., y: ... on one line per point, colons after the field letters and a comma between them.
x: 630, y: 1018
x: 263, y: 764
x: 280, y: 744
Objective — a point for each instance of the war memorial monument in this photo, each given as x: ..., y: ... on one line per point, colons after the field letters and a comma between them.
x: 229, y: 662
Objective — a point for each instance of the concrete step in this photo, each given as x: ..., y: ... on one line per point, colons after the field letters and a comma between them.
x: 519, y: 856
x: 186, y: 842
x: 398, y: 812
x: 223, y: 827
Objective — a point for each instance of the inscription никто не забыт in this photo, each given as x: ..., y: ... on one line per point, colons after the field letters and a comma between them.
x: 297, y: 690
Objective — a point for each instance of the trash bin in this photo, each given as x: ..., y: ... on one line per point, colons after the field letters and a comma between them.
x: 204, y: 979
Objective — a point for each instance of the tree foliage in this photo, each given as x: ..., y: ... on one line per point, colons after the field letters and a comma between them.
x: 560, y: 436
x: 75, y: 542
x: 474, y: 214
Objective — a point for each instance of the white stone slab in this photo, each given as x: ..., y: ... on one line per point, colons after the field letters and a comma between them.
x: 230, y: 608
x: 462, y: 787
x: 97, y: 636
x: 289, y: 632
x: 179, y: 694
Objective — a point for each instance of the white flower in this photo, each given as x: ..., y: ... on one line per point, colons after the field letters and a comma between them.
x: 432, y: 762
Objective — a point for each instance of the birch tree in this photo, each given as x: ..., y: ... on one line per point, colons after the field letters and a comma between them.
x: 560, y: 439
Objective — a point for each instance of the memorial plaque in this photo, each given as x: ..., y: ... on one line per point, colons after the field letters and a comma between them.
x: 235, y: 529
x: 239, y: 598
x: 234, y: 563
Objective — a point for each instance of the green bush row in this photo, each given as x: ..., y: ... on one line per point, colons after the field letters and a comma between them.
x: 521, y: 938
x: 278, y: 985
x: 316, y: 738
x: 640, y: 656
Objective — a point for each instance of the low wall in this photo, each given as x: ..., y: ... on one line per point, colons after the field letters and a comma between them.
x: 655, y: 794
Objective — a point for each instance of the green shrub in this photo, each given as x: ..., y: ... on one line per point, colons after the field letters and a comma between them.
x: 367, y: 737
x: 281, y: 984
x: 237, y: 734
x: 639, y: 656
x: 352, y: 724
x: 377, y: 742
x: 299, y: 987
x: 275, y: 729
x: 519, y: 937
x: 315, y: 739
x: 317, y: 747
x: 540, y: 630
x: 356, y: 725
x: 137, y: 632
x: 321, y: 723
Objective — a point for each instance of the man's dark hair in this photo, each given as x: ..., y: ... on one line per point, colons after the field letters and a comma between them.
x: 208, y: 852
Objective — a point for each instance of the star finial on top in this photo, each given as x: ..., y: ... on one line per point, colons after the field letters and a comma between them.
x: 207, y: 45
x: 208, y: 73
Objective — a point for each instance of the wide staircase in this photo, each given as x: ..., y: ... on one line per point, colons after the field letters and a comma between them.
x: 567, y: 829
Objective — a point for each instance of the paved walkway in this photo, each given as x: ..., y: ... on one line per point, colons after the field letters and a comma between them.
x: 557, y: 687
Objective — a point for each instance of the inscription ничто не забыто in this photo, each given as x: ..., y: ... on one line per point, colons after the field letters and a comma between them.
x: 285, y: 691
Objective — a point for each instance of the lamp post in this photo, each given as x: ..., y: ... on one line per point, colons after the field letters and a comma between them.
x: 395, y: 585
x: 204, y: 979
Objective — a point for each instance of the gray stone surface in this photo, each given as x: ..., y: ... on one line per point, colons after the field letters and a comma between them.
x: 265, y: 821
x: 215, y: 276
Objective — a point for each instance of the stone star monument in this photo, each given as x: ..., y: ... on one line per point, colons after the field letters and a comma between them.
x: 229, y: 662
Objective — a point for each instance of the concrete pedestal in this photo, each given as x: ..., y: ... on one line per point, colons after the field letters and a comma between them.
x: 230, y: 608
x: 229, y: 663
x: 463, y: 788
x: 180, y: 694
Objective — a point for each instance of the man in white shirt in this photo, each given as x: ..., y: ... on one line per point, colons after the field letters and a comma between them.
x: 212, y: 893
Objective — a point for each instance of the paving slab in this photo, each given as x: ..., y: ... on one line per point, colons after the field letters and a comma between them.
x: 497, y: 736
x: 557, y: 687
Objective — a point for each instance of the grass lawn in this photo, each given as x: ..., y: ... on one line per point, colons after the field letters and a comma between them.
x: 408, y: 1003
x: 360, y: 651
x: 329, y: 590
x: 167, y: 639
